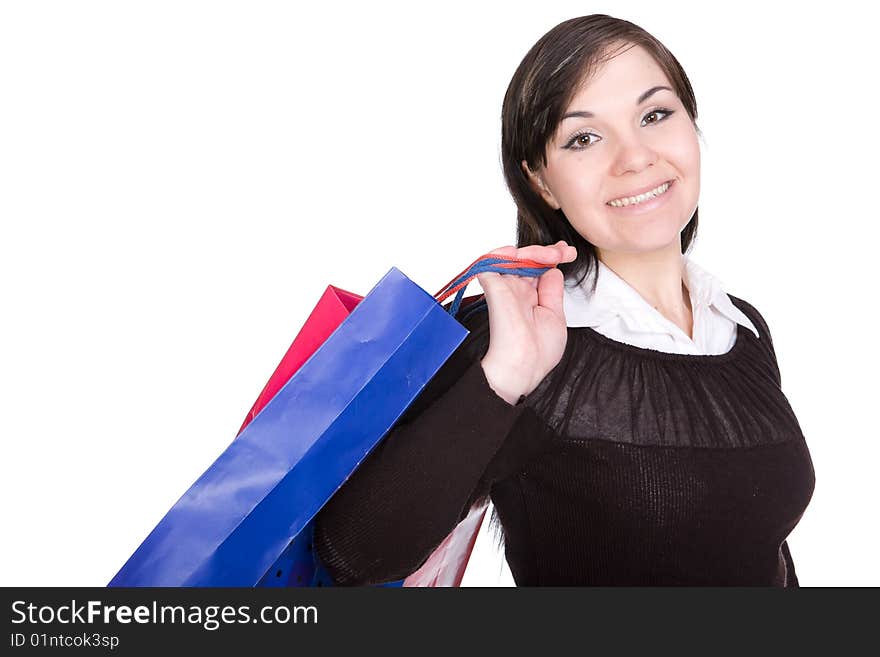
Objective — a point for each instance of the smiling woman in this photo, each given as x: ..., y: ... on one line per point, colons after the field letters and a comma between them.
x: 629, y: 432
x: 593, y: 123
x: 656, y: 143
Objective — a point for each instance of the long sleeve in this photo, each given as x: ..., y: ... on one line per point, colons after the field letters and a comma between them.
x: 420, y: 480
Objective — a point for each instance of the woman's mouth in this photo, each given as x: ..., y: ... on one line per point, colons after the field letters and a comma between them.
x: 644, y: 202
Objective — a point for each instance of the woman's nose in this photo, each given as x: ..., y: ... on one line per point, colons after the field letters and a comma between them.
x: 634, y: 154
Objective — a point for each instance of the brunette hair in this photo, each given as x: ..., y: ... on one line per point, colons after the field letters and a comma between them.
x: 542, y: 87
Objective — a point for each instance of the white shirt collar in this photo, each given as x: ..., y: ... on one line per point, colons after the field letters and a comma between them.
x: 613, y: 296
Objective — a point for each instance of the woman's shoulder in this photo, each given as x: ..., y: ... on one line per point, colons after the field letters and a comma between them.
x: 763, y: 331
x: 754, y: 315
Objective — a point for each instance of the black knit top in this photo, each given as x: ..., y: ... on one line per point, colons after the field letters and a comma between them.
x: 625, y: 466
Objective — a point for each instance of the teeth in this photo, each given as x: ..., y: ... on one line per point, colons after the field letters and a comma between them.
x: 632, y: 200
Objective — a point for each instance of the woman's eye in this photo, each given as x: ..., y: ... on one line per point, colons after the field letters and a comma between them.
x: 664, y: 112
x: 577, y: 143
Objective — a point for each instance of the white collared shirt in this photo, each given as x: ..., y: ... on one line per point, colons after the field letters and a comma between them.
x: 616, y: 310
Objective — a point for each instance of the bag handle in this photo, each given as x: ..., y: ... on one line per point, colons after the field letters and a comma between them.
x: 489, y: 262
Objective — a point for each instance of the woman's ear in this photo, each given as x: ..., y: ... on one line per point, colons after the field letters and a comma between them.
x: 540, y: 186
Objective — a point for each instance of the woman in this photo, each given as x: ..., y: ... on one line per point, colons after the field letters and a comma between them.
x: 630, y: 428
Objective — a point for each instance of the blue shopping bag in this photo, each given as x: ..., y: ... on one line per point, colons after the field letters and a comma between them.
x: 247, y: 520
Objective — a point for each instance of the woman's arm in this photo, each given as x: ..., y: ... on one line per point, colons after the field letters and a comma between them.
x: 420, y: 480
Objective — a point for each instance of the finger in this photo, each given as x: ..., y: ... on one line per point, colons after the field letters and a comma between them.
x: 496, y: 291
x: 489, y: 281
x: 550, y: 291
x: 553, y: 254
x: 521, y: 284
x: 559, y: 252
x: 511, y: 252
x: 506, y: 251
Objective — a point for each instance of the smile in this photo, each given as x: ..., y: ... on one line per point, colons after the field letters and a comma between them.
x: 641, y: 198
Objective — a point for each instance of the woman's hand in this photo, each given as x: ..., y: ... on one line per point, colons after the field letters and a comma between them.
x: 527, y: 329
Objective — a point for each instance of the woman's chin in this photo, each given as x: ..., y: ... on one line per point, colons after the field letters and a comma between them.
x: 653, y: 236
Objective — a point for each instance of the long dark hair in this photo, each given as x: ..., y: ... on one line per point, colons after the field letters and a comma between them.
x: 540, y: 91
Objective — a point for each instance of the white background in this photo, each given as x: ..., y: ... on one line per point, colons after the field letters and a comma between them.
x: 180, y: 181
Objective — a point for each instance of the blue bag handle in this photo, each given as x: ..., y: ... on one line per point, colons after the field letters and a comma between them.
x: 487, y: 263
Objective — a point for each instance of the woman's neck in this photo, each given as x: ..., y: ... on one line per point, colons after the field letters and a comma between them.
x: 659, y: 278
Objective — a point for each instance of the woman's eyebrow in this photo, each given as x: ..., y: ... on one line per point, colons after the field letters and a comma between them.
x: 641, y: 99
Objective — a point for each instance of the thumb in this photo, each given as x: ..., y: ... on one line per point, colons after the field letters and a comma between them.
x: 550, y: 286
x: 489, y: 281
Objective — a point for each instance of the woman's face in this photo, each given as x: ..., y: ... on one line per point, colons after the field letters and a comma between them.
x: 628, y: 143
